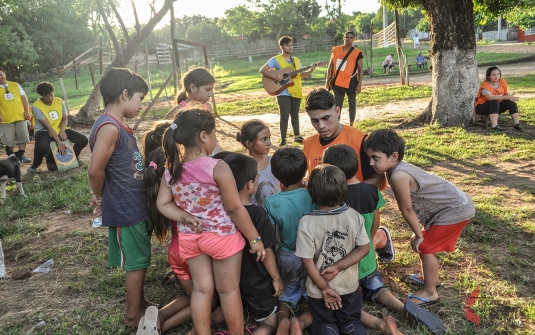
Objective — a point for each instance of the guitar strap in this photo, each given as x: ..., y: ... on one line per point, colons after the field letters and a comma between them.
x: 342, y: 63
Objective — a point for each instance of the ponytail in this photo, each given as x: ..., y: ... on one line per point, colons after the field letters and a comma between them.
x: 152, y: 175
x: 185, y: 130
x: 181, y: 95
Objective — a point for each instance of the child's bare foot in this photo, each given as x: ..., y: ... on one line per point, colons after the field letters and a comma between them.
x: 295, y: 327
x: 284, y: 327
x: 132, y: 321
x: 390, y: 327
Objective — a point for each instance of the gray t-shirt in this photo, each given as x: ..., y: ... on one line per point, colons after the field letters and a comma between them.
x: 438, y: 201
x: 487, y: 92
x: 38, y: 114
x: 327, y: 237
x: 267, y: 185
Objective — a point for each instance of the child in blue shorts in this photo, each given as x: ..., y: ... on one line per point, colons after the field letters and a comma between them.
x: 116, y: 180
x: 285, y: 209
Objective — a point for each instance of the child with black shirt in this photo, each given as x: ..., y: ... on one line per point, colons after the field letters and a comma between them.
x: 260, y: 282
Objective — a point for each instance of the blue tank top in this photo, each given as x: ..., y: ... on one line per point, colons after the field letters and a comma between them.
x: 124, y: 199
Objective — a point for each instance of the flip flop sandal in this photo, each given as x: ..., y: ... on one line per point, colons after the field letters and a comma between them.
x: 425, y: 302
x: 221, y: 332
x: 415, y: 279
x: 140, y: 325
x: 150, y: 326
x: 421, y: 316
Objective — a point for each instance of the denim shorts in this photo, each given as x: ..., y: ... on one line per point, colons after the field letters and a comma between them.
x: 372, y: 285
x: 293, y: 276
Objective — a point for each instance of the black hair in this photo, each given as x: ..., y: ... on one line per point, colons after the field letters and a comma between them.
x: 349, y: 32
x: 249, y: 132
x: 285, y: 40
x: 327, y: 185
x: 199, y: 77
x: 386, y: 141
x: 223, y: 154
x: 489, y: 71
x: 289, y: 165
x: 152, y: 139
x: 188, y: 124
x: 152, y: 175
x: 343, y: 157
x: 116, y: 80
x: 44, y: 87
x: 319, y: 98
x: 243, y: 167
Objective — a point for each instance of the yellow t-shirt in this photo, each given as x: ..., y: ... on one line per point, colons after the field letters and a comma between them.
x: 11, y: 107
x: 52, y: 113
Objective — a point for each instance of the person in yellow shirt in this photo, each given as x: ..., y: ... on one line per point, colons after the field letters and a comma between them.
x: 51, y: 125
x: 289, y: 100
x: 13, y: 115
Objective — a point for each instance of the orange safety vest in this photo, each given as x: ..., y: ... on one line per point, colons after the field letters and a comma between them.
x: 350, y: 136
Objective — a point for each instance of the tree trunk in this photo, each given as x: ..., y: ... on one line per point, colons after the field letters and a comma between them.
x: 453, y: 57
x: 88, y: 112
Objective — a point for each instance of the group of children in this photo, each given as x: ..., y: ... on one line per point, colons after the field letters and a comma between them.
x: 243, y: 227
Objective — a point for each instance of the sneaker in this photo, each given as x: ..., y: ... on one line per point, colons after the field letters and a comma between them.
x: 299, y: 139
x: 31, y: 169
x: 518, y: 127
x: 282, y: 143
x: 387, y: 253
x: 498, y: 128
x: 25, y: 159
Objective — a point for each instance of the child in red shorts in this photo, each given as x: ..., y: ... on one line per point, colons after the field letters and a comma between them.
x: 423, y: 198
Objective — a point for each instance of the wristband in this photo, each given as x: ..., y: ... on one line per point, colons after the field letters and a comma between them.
x: 256, y: 239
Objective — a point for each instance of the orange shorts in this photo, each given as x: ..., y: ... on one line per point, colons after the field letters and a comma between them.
x: 179, y: 265
x: 441, y: 238
x: 211, y: 244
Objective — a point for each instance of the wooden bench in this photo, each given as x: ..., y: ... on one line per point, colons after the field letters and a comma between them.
x: 479, y: 119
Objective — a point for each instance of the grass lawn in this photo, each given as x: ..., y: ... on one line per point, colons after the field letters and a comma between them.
x: 81, y: 295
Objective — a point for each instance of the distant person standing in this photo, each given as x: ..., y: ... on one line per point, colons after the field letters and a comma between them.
x: 13, y: 115
x: 345, y: 74
x: 416, y: 41
x: 289, y: 100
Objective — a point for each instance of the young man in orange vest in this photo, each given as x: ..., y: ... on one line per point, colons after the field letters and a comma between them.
x: 13, y: 115
x: 348, y: 74
x: 289, y: 100
x: 325, y: 118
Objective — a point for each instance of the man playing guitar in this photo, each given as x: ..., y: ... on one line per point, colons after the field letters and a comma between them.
x: 344, y: 75
x: 289, y: 100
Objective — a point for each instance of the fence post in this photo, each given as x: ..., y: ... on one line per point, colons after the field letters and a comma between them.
x: 148, y: 70
x: 60, y: 79
x: 75, y: 75
x: 100, y: 58
x: 371, y: 50
x: 92, y: 74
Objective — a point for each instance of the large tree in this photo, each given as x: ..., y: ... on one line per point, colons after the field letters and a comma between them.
x: 123, y: 51
x: 453, y: 54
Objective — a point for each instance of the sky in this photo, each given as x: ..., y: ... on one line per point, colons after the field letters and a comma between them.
x: 216, y: 8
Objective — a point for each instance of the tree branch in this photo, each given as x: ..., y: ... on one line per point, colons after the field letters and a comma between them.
x: 154, y: 20
x: 138, y: 27
x: 116, y: 45
x: 121, y: 23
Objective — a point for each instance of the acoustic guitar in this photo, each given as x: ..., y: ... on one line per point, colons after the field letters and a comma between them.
x: 274, y: 87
